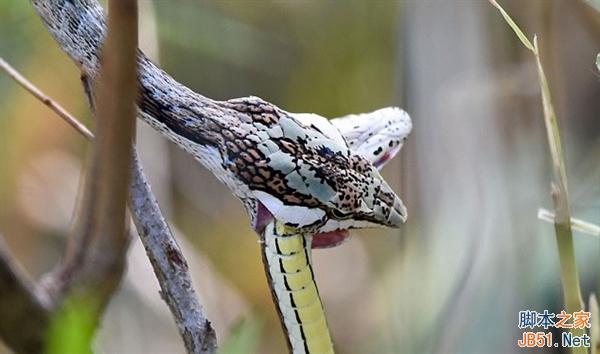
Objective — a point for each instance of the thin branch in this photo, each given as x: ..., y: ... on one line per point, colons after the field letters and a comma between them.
x: 168, y: 262
x: 576, y: 224
x: 175, y: 110
x: 24, y: 308
x: 66, y: 116
x: 170, y: 266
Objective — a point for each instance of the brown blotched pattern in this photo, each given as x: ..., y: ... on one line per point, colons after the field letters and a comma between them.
x: 249, y: 144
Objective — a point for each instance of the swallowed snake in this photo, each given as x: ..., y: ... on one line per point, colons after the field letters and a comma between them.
x: 304, y: 180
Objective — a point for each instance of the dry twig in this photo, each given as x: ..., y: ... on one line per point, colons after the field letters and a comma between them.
x: 26, y: 84
x: 165, y: 255
x: 170, y: 266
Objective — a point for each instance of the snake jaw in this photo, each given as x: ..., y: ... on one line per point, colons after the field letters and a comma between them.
x: 261, y: 217
x: 400, y: 213
x: 330, y: 239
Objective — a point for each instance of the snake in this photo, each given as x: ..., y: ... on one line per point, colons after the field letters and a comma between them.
x: 304, y: 180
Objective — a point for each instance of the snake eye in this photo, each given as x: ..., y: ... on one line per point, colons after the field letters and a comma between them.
x: 340, y: 215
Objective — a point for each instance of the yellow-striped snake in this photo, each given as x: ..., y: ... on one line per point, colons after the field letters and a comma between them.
x: 304, y: 180
x: 287, y: 263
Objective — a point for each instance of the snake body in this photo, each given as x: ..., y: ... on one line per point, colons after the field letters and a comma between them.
x: 301, y: 177
x: 287, y: 263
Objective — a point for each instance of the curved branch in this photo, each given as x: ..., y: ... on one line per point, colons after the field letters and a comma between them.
x: 96, y: 258
x: 168, y: 262
x: 178, y: 113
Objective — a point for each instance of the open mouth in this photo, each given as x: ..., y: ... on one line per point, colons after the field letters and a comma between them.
x: 329, y: 239
x: 321, y: 240
x: 382, y: 160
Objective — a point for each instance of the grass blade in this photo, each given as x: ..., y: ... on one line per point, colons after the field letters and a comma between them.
x: 514, y: 26
x: 560, y: 195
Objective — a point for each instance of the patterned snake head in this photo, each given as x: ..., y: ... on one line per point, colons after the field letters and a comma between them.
x: 362, y: 198
x: 315, y: 175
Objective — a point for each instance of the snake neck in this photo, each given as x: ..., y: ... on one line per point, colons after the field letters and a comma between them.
x: 287, y: 260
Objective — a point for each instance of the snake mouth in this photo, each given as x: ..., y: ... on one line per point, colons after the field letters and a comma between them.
x: 320, y: 240
x: 383, y: 160
x: 329, y: 239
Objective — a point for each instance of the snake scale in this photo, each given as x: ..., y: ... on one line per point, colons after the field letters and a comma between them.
x: 304, y: 180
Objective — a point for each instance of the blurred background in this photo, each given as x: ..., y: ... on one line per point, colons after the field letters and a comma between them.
x: 473, y: 173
